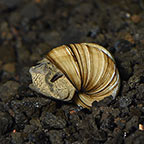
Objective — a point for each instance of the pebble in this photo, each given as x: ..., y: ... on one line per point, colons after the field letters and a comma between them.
x: 105, y: 102
x: 23, y: 54
x: 30, y: 129
x: 100, y: 136
x: 30, y: 11
x: 51, y: 121
x: 24, y: 76
x: 136, y: 138
x: 115, y: 112
x: 7, y: 54
x: 124, y: 112
x: 120, y: 123
x: 51, y: 37
x: 5, y: 122
x: 39, y: 51
x: 136, y: 78
x: 55, y: 136
x: 17, y: 138
x: 8, y: 90
x: 129, y: 38
x: 73, y: 36
x: 125, y: 101
x: 136, y: 18
x: 30, y: 106
x: 125, y: 70
x: 123, y: 46
x: 10, y: 3
x: 107, y: 122
x: 141, y: 91
x: 9, y: 67
x: 38, y: 137
x: 132, y: 124
x: 94, y: 32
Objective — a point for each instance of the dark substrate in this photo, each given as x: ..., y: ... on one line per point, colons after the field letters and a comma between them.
x: 31, y: 28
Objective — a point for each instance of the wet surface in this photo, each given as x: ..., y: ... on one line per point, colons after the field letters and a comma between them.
x: 31, y: 28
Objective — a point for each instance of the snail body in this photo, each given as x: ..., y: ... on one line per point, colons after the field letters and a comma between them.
x: 85, y: 71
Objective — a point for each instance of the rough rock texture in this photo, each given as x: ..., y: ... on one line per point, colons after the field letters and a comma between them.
x: 8, y: 90
x: 31, y: 28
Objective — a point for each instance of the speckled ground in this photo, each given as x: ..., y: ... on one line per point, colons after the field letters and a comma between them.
x: 31, y: 28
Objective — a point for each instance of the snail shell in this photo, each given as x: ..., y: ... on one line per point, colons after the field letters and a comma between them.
x: 85, y: 72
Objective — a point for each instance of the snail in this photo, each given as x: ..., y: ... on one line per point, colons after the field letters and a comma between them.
x: 84, y: 72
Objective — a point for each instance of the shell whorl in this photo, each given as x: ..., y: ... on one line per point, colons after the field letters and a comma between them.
x: 90, y: 68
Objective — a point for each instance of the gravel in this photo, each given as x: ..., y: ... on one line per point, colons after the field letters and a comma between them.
x: 31, y: 28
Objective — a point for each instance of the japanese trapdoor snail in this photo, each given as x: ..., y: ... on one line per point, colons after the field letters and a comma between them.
x: 84, y: 72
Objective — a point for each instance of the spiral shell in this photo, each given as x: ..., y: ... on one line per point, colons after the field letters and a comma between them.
x: 89, y: 68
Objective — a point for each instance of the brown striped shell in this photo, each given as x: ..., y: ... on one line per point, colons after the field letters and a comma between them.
x: 85, y: 71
